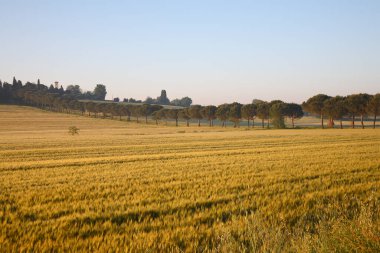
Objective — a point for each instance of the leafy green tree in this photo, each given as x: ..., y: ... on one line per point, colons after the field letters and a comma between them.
x: 176, y: 102
x: 101, y: 108
x: 65, y: 104
x: 113, y: 109
x: 315, y: 105
x: 154, y: 108
x: 263, y: 112
x: 249, y: 112
x: 329, y: 111
x: 165, y: 115
x: 74, y: 90
x: 234, y: 113
x: 122, y: 110
x: 374, y: 107
x: 222, y: 113
x: 209, y: 113
x: 107, y: 110
x: 90, y: 108
x: 195, y: 113
x: 172, y: 114
x: 340, y: 109
x: 147, y: 110
x: 276, y: 113
x: 57, y: 103
x: 357, y: 104
x: 293, y: 111
x: 88, y: 95
x: 100, y: 92
x: 149, y: 100
x: 129, y: 110
x: 335, y: 108
x: 31, y: 86
x: 81, y: 107
x: 184, y: 102
x: 73, y: 105
x: 136, y: 112
x: 51, y: 99
x: 158, y: 115
x: 184, y: 114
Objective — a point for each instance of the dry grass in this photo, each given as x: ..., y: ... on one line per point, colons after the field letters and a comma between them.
x: 131, y: 187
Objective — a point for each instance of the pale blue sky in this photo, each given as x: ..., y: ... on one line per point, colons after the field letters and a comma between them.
x: 213, y: 51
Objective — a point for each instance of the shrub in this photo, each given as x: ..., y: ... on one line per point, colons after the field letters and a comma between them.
x: 73, y: 130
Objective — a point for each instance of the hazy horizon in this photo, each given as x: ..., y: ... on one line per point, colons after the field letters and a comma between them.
x: 212, y: 51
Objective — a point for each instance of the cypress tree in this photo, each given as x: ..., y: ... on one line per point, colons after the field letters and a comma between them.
x: 14, y: 82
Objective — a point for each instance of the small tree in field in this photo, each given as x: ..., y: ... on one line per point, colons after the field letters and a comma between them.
x: 73, y: 130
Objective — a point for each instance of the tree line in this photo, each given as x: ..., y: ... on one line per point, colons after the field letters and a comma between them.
x: 274, y: 112
x: 7, y: 90
x: 99, y: 93
x: 339, y: 108
x: 160, y: 100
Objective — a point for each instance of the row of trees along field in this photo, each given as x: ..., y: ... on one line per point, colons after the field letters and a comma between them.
x: 333, y: 108
x: 338, y: 107
x: 73, y: 91
x: 99, y: 93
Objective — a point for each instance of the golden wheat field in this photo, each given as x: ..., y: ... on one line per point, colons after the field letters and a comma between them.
x: 127, y: 187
